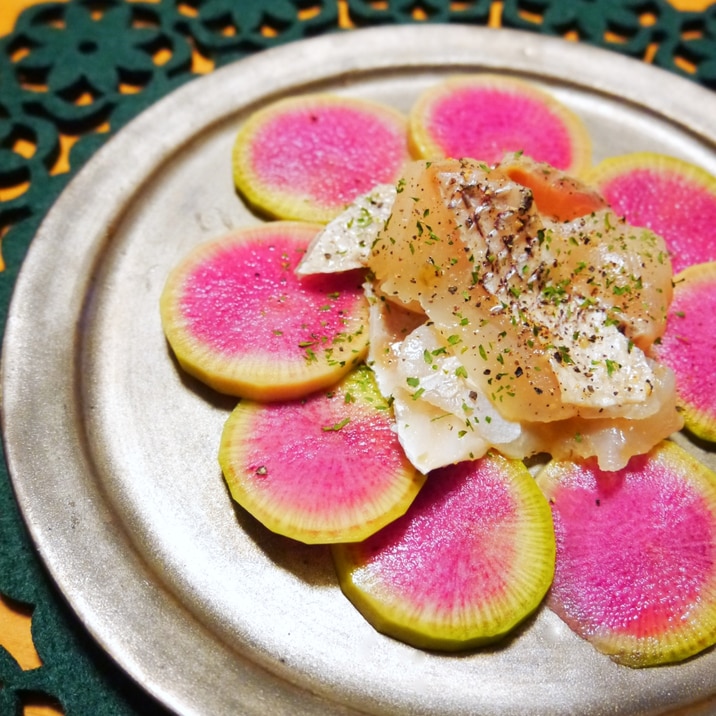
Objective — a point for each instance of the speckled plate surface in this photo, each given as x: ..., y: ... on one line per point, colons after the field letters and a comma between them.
x: 112, y: 450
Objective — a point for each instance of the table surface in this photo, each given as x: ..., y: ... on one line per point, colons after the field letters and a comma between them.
x: 16, y: 615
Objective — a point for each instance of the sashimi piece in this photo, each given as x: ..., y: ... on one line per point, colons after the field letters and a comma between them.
x: 670, y: 196
x: 441, y: 417
x: 307, y: 157
x: 485, y: 116
x: 239, y: 319
x: 422, y: 257
x: 627, y: 267
x: 548, y: 321
x: 472, y: 558
x: 611, y: 440
x: 344, y: 244
x: 324, y: 469
x: 688, y: 347
x: 558, y: 195
x: 635, y: 570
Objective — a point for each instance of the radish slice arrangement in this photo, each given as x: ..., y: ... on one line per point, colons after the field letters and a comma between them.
x: 298, y: 321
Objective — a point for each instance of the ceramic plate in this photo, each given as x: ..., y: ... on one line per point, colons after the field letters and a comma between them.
x: 112, y: 449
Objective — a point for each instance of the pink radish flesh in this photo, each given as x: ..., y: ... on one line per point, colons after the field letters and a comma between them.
x: 327, y: 152
x: 688, y: 346
x: 424, y: 573
x: 680, y: 211
x: 239, y: 319
x: 471, y: 558
x: 487, y: 123
x: 631, y: 556
x: 296, y: 445
x: 323, y: 469
x: 636, y: 554
x: 247, y: 298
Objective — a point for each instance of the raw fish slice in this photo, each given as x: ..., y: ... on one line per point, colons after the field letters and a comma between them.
x: 467, y: 245
x: 441, y: 417
x: 559, y: 196
x: 628, y: 266
x: 345, y: 242
x: 636, y: 554
x: 470, y: 560
x: 611, y: 440
x: 422, y: 257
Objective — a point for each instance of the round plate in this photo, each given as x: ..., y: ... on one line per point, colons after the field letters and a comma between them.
x: 112, y: 449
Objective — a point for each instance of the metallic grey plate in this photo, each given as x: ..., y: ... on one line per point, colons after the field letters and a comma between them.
x: 112, y: 449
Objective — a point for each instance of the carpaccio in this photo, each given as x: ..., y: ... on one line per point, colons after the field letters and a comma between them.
x: 511, y: 311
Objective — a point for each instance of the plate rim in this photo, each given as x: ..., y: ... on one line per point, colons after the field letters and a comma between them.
x: 405, y: 48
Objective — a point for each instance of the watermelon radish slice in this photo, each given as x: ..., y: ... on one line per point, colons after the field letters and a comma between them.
x: 688, y: 347
x: 672, y: 197
x: 486, y: 116
x: 239, y: 319
x: 320, y: 470
x: 308, y: 157
x: 636, y: 554
x: 471, y: 559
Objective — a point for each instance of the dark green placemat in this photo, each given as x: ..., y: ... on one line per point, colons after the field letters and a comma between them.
x: 83, y: 69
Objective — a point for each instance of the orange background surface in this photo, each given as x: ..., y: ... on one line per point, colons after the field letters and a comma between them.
x: 16, y: 619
